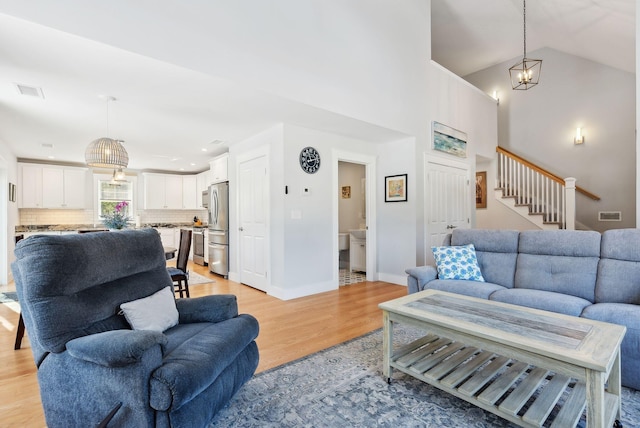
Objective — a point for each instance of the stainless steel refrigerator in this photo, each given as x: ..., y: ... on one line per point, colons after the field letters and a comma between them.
x: 219, y: 228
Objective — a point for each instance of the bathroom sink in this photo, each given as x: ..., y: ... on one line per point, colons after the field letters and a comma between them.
x: 358, y: 233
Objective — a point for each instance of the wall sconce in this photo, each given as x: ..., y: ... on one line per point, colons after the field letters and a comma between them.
x: 495, y: 96
x: 579, y: 138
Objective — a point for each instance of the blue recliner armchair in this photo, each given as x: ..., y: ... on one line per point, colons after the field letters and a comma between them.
x: 93, y: 368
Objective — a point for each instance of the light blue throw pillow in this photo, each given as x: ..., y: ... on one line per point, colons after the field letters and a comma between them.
x: 457, y: 263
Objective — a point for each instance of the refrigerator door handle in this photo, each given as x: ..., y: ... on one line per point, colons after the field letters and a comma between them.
x: 215, y: 204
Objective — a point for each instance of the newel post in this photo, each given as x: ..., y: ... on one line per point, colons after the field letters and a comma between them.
x: 570, y: 203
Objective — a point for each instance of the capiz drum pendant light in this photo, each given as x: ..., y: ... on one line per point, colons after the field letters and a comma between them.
x: 526, y: 73
x: 106, y: 152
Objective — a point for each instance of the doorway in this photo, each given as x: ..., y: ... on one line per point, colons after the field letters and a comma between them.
x: 253, y: 216
x: 352, y: 215
x: 354, y: 200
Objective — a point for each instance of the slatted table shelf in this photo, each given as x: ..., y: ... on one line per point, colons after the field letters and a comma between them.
x: 524, y: 394
x: 531, y: 367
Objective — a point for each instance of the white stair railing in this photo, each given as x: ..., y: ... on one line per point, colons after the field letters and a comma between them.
x: 544, y: 193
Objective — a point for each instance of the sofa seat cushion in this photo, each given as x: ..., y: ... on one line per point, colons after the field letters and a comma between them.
x: 628, y: 316
x: 195, y: 356
x: 481, y: 290
x: 545, y: 300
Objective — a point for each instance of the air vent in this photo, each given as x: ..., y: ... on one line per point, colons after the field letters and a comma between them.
x: 610, y: 215
x: 46, y: 145
x: 31, y: 91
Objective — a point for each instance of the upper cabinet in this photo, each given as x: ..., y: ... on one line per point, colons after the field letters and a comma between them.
x: 51, y: 186
x: 219, y: 169
x: 169, y: 191
x: 162, y: 191
x: 190, y: 192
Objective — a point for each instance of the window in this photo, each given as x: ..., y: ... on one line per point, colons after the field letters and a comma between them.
x: 110, y: 193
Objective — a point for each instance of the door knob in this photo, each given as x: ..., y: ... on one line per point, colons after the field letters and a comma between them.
x: 450, y: 226
x: 240, y: 229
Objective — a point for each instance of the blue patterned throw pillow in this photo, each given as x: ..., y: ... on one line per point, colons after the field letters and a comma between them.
x: 457, y: 263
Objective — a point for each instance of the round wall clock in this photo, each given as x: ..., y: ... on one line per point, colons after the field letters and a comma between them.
x: 309, y: 160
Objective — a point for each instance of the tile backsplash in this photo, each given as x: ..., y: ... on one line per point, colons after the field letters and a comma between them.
x: 37, y: 217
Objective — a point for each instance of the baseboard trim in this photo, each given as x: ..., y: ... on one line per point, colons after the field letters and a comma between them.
x: 305, y: 290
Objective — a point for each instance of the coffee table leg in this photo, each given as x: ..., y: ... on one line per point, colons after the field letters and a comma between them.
x: 595, y: 399
x: 614, y: 385
x: 387, y: 345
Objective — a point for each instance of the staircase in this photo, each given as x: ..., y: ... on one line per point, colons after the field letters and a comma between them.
x: 543, y: 198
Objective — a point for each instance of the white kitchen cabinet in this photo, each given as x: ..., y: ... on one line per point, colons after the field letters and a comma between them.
x: 50, y: 186
x: 357, y: 254
x: 190, y: 200
x: 219, y: 171
x: 162, y: 191
x: 168, y: 237
x: 30, y: 188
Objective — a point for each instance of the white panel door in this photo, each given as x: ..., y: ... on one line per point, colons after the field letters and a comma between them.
x: 252, y: 197
x: 447, y: 199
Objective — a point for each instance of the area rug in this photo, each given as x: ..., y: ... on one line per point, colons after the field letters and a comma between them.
x: 8, y: 297
x: 343, y: 386
x: 196, y: 278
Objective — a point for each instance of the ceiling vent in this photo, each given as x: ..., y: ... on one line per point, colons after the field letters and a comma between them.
x: 610, y: 215
x: 31, y: 91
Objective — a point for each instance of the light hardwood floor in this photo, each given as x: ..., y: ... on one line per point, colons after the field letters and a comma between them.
x: 288, y: 330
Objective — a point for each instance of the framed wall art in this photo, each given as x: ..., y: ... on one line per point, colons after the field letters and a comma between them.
x: 481, y: 189
x: 346, y: 192
x: 449, y: 140
x: 395, y: 188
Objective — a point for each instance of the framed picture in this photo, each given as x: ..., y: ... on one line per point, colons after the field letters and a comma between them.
x: 12, y: 192
x: 481, y: 189
x: 449, y: 140
x: 346, y: 192
x: 395, y: 188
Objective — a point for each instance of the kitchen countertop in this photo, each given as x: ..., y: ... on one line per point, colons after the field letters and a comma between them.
x: 74, y: 227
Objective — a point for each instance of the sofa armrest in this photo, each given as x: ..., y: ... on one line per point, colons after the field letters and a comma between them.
x: 116, y: 348
x: 419, y: 277
x: 213, y: 309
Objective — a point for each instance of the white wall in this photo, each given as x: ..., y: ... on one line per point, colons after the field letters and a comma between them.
x: 397, y: 222
x: 8, y: 212
x: 460, y: 105
x: 539, y: 124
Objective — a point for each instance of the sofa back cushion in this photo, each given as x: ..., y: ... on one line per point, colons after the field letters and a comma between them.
x: 496, y: 251
x: 72, y: 285
x: 619, y: 269
x: 562, y: 261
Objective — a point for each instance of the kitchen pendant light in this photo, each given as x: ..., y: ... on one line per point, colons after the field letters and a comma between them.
x: 118, y: 176
x: 106, y: 152
x: 526, y: 73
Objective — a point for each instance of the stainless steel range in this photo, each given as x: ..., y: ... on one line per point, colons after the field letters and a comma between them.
x: 198, y: 243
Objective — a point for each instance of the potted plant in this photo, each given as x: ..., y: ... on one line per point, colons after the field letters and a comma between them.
x: 117, y: 219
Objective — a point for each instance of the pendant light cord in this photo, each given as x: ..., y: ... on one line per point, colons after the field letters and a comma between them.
x: 524, y: 25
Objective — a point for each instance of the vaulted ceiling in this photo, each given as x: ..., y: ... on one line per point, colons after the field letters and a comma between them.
x: 172, y: 115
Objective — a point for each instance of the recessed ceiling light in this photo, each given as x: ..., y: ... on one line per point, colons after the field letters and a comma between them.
x: 193, y: 164
x: 204, y: 149
x: 31, y: 91
x: 181, y: 169
x: 51, y: 157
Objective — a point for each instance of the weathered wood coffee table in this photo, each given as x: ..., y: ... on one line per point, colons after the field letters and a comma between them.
x: 531, y: 367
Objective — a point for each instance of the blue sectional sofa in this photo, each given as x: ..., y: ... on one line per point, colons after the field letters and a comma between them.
x: 580, y: 273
